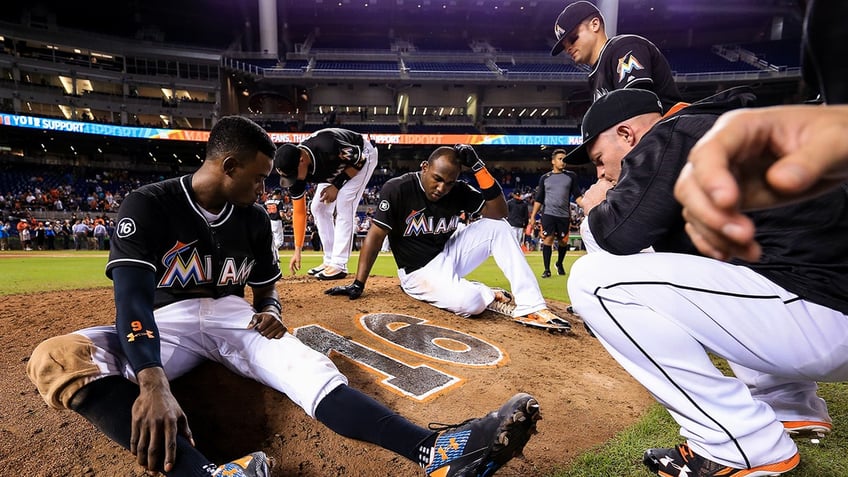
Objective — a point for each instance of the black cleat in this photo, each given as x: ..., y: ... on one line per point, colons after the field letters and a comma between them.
x: 479, y: 447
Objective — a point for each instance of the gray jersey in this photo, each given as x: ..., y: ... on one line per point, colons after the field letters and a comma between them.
x: 555, y: 191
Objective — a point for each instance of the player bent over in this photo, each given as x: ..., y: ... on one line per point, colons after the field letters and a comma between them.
x: 340, y: 162
x: 419, y: 212
x: 182, y: 253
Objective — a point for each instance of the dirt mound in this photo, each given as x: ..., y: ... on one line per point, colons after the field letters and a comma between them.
x: 444, y: 369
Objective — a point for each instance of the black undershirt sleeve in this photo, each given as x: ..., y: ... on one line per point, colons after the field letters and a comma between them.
x: 137, y: 331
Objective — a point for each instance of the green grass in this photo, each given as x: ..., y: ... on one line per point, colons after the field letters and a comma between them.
x: 488, y: 272
x: 619, y: 457
x: 41, y: 272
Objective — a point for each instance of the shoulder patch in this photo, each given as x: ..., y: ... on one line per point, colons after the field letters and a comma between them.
x: 627, y: 64
x: 384, y: 205
x: 125, y: 227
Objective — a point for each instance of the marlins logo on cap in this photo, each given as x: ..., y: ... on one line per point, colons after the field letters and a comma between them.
x: 568, y: 20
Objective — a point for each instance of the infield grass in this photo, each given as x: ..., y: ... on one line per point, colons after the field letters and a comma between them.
x: 33, y: 272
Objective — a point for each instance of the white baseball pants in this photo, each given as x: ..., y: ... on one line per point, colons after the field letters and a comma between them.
x: 337, y: 233
x: 192, y: 331
x: 441, y: 281
x: 660, y: 314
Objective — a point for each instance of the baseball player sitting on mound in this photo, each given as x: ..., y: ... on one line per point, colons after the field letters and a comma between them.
x: 341, y: 162
x: 183, y: 252
x: 419, y: 211
x: 779, y: 320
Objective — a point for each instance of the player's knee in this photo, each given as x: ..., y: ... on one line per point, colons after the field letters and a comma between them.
x: 60, y: 366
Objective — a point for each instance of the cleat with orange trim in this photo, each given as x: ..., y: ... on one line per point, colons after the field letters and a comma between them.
x: 805, y: 429
x: 544, y: 319
x: 251, y: 465
x: 479, y: 447
x: 682, y: 461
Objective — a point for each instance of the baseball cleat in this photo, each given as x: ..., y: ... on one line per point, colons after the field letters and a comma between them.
x: 546, y: 274
x: 479, y: 447
x: 316, y: 270
x: 682, y: 461
x: 251, y: 465
x: 560, y: 269
x: 544, y: 319
x: 330, y: 273
x: 502, y: 295
x: 804, y: 429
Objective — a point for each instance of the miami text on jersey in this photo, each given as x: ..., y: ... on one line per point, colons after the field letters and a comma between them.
x: 181, y: 271
x: 418, y: 224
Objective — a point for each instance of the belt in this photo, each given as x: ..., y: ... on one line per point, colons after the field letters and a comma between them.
x: 410, y: 269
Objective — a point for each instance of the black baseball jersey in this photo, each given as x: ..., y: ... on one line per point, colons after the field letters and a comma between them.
x: 803, y: 246
x: 555, y: 191
x: 630, y: 61
x: 272, y: 206
x: 162, y: 228
x: 518, y: 212
x: 332, y: 150
x: 419, y: 228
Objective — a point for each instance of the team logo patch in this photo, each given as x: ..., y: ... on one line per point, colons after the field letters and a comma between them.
x: 626, y: 65
x: 125, y: 228
x: 384, y: 205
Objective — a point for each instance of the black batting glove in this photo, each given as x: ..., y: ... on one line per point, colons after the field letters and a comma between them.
x: 353, y: 291
x: 469, y: 157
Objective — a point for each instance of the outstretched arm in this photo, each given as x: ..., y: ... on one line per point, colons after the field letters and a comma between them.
x: 367, y: 256
x: 754, y: 159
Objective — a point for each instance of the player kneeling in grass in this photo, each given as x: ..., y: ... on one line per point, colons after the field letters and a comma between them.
x: 183, y: 252
x: 420, y: 214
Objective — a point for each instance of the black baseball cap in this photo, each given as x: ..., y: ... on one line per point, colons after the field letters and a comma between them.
x: 286, y: 160
x: 568, y: 20
x: 609, y: 110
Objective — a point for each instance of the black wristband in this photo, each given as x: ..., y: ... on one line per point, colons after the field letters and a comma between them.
x: 269, y: 301
x: 359, y: 284
x: 492, y: 192
x: 340, y: 180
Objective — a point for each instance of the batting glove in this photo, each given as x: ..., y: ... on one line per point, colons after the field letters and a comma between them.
x: 469, y: 157
x: 353, y: 291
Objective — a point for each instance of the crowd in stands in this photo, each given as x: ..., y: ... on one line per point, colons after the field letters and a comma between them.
x: 41, y: 206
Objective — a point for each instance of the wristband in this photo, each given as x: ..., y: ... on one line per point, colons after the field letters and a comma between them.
x: 490, y: 188
x: 359, y: 284
x: 269, y: 301
x: 340, y: 180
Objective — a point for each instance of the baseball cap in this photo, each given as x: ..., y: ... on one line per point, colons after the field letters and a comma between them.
x: 286, y: 160
x: 609, y: 110
x: 568, y: 20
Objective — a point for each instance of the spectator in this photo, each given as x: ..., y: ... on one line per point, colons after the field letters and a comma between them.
x: 100, y: 234
x: 4, y: 235
x: 518, y: 215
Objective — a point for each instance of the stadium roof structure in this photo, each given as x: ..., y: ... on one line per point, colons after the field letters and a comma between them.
x: 521, y: 25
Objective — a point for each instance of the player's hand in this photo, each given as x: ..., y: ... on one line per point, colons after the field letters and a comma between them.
x: 760, y: 158
x: 596, y: 194
x: 157, y: 419
x: 329, y: 194
x: 269, y: 324
x: 294, y: 262
x: 469, y: 157
x: 353, y: 291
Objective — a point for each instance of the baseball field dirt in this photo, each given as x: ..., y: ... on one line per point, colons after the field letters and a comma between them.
x: 445, y: 369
